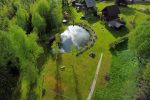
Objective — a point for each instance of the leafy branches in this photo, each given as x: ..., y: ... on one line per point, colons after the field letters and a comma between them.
x: 49, y: 14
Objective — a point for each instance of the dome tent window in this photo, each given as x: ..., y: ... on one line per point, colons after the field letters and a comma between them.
x: 75, y: 36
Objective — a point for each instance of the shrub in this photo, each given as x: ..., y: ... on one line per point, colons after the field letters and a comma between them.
x: 113, y: 46
x: 39, y: 23
x: 49, y: 12
x: 22, y: 18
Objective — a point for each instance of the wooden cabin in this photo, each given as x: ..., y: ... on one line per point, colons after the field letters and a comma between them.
x: 111, y: 16
x: 111, y: 12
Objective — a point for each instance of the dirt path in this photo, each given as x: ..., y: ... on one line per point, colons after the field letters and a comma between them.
x: 95, y: 78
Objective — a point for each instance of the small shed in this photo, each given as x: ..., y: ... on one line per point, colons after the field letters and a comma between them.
x: 111, y: 16
x: 90, y: 3
x: 111, y: 12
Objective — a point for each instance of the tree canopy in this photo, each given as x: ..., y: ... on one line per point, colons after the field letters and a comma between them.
x: 21, y: 22
x: 49, y: 13
x: 16, y: 44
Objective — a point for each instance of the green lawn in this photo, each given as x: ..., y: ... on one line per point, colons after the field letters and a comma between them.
x: 123, y: 78
x: 75, y: 81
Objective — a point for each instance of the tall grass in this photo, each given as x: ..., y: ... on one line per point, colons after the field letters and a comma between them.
x: 123, y: 78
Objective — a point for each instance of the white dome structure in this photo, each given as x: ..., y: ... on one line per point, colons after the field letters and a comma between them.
x: 74, y: 36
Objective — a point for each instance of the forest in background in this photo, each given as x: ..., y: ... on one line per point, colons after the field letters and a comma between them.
x: 22, y: 24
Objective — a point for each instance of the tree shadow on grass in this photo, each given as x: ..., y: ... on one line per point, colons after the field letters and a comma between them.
x: 43, y: 57
x: 77, y: 89
x: 117, y: 33
x: 120, y: 47
x: 92, y: 19
x: 58, y: 86
x: 41, y: 60
x: 127, y: 11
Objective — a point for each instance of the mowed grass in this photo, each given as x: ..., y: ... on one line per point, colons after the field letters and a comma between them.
x: 75, y: 81
x: 123, y: 78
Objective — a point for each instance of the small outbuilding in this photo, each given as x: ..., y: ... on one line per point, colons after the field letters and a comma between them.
x: 111, y: 12
x: 90, y: 3
x: 111, y: 16
x: 89, y: 6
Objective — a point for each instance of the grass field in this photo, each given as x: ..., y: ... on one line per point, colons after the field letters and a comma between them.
x: 74, y: 82
x: 123, y: 78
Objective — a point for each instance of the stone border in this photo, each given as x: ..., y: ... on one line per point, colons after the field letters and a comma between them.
x: 92, y: 40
